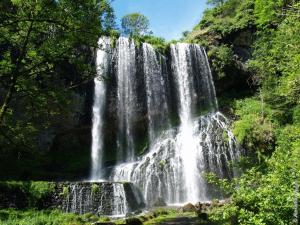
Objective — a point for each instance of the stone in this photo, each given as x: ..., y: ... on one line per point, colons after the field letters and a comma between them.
x: 144, y: 218
x: 67, y: 196
x: 133, y: 221
x: 189, y: 208
x: 202, y: 206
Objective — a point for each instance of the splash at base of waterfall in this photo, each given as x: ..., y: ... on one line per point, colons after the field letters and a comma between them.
x: 173, y: 169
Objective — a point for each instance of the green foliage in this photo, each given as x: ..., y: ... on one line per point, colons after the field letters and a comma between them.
x: 254, y: 129
x: 266, y: 197
x: 222, y: 58
x: 39, y: 190
x: 49, y: 217
x: 34, y: 191
x: 267, y: 12
x: 40, y: 43
x: 161, y: 215
x: 266, y: 123
x: 135, y: 24
x: 158, y: 43
x: 56, y: 217
x: 65, y: 192
x: 95, y: 189
x: 230, y: 17
x: 276, y: 66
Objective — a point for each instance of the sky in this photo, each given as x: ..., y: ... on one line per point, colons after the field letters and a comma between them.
x: 168, y: 18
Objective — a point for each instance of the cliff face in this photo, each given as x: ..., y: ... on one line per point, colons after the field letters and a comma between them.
x: 66, y: 145
x: 59, y: 147
x: 99, y: 198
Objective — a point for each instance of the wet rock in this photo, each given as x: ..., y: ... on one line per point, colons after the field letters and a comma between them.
x: 189, y: 208
x: 144, y: 218
x: 202, y: 206
x: 134, y: 221
x: 134, y: 198
x: 159, y: 202
x: 95, y: 198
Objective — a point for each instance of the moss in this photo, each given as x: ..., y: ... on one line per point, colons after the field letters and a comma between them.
x: 225, y: 136
x: 104, y: 219
x: 159, y: 44
x: 162, y: 164
x: 95, y: 189
x: 65, y: 192
x: 174, y: 120
x: 142, y: 145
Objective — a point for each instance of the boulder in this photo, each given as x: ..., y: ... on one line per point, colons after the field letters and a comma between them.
x: 189, y: 208
x: 202, y: 206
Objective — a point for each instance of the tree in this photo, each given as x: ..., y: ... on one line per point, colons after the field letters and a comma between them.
x: 44, y: 53
x: 135, y: 24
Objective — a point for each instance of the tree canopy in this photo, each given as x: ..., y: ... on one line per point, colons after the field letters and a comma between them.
x: 44, y: 50
x: 135, y: 24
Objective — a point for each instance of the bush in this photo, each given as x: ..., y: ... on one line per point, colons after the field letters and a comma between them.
x: 222, y: 58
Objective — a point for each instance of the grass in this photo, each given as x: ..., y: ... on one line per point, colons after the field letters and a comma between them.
x: 56, y: 217
x: 48, y: 217
x: 166, y: 217
x: 160, y: 215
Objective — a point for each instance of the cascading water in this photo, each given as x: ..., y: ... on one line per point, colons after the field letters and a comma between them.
x: 102, y: 198
x: 186, y: 144
x: 98, y: 107
x: 126, y: 70
x: 174, y: 157
x: 156, y: 89
x: 184, y: 56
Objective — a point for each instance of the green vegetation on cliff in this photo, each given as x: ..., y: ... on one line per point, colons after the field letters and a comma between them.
x: 259, y: 38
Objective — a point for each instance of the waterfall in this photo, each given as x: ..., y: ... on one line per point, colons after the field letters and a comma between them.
x: 156, y: 90
x: 102, y: 62
x: 183, y: 58
x: 126, y: 69
x: 186, y: 145
x: 166, y: 159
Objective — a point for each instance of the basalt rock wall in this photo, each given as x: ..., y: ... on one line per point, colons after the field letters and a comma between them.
x: 99, y: 198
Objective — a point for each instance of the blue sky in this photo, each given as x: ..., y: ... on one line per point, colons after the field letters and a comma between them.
x: 168, y: 18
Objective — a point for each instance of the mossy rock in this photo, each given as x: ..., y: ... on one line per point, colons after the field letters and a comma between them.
x: 189, y: 208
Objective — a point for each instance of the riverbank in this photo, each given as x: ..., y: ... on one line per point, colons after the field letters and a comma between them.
x: 164, y: 216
